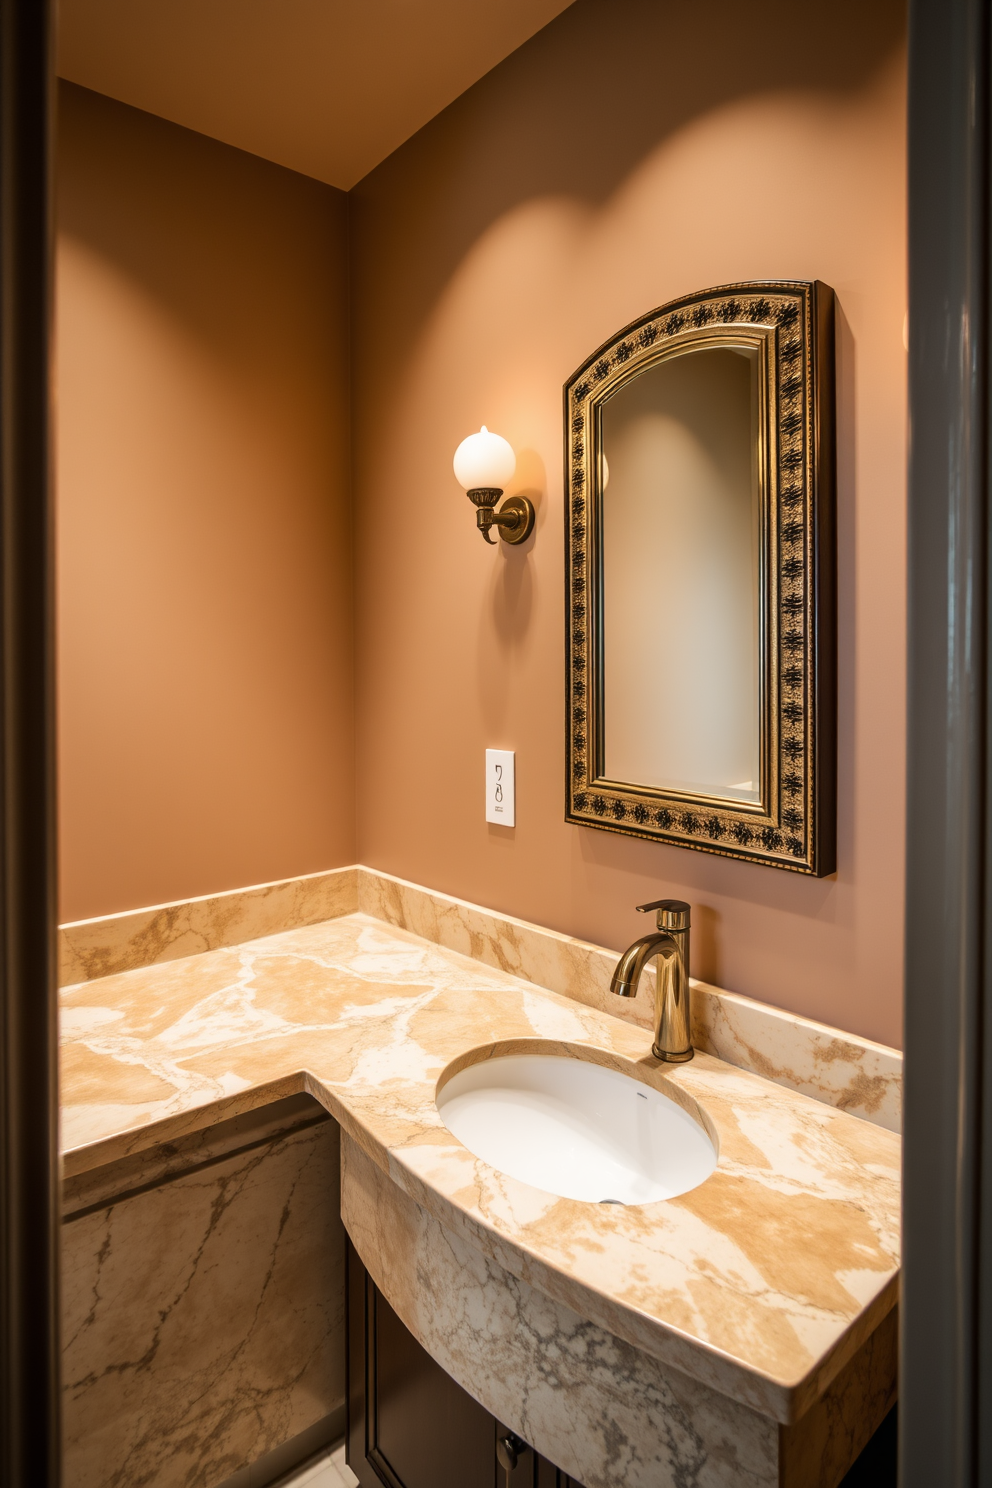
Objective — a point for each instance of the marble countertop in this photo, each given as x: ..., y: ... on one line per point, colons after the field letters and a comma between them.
x: 761, y: 1283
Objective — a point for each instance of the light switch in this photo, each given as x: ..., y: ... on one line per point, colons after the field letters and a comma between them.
x: 499, y: 787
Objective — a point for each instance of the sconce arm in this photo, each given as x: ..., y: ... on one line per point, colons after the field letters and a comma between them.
x: 514, y: 521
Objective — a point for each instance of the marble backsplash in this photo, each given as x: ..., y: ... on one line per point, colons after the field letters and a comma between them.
x: 851, y: 1073
x: 167, y: 932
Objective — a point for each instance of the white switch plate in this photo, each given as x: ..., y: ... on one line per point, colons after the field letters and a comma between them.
x: 500, y: 800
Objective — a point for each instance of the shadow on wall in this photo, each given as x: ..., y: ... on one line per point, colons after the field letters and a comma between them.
x: 589, y: 101
x: 205, y: 602
x: 630, y: 152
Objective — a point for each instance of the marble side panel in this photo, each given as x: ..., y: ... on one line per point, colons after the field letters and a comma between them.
x: 167, y: 932
x: 203, y: 1320
x: 594, y: 1405
x: 841, y: 1069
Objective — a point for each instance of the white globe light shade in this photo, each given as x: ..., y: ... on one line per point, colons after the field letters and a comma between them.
x: 484, y: 461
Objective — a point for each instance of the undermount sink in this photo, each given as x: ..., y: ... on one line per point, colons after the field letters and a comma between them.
x: 576, y: 1129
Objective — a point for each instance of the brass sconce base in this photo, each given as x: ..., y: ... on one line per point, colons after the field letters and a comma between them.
x: 522, y: 512
x: 514, y: 520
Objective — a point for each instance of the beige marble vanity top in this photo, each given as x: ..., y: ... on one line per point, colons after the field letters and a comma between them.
x: 761, y: 1283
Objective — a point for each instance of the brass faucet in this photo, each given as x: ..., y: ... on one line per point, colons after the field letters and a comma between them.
x: 670, y: 943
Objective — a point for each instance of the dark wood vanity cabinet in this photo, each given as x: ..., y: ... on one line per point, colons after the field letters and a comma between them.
x: 409, y: 1424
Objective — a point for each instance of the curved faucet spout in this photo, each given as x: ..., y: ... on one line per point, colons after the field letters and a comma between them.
x: 627, y: 974
x: 670, y: 944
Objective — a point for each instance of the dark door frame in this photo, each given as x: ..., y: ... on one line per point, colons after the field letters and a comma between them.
x: 945, y: 1422
x: 29, y: 1399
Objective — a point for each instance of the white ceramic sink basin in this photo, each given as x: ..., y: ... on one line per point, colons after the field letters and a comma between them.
x: 576, y: 1129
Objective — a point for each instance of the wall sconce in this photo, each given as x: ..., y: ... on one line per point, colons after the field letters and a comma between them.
x: 483, y: 464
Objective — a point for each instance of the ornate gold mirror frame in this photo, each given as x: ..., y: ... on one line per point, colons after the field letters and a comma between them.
x: 792, y: 825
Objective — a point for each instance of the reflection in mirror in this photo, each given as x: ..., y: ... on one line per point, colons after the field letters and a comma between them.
x: 681, y: 575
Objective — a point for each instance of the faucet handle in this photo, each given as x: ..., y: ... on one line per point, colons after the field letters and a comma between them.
x: 673, y: 914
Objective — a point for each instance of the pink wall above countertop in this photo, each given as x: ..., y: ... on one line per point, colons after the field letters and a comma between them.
x: 629, y: 153
x: 204, y: 552
x: 212, y: 606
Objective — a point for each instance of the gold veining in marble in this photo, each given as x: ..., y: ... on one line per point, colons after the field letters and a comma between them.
x: 601, y: 1410
x: 841, y: 1069
x: 851, y: 1073
x: 167, y: 932
x: 604, y: 1411
x: 761, y: 1284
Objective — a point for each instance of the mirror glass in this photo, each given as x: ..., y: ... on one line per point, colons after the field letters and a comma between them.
x: 681, y: 575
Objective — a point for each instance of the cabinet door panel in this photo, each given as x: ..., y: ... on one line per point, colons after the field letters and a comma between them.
x: 410, y: 1425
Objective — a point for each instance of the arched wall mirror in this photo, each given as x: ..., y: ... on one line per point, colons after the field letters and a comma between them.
x: 700, y: 627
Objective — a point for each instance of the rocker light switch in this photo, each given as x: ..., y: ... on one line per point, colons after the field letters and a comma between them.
x: 499, y: 787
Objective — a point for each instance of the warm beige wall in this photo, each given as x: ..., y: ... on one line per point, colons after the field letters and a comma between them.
x: 327, y: 87
x: 631, y: 152
x: 204, y: 554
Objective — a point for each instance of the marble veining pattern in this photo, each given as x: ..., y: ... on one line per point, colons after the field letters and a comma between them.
x: 601, y: 1410
x: 168, y: 932
x: 853, y: 1073
x: 760, y: 1284
x: 841, y: 1069
x: 202, y: 1318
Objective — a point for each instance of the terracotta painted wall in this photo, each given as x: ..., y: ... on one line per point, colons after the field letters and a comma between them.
x: 631, y: 152
x: 204, y: 550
